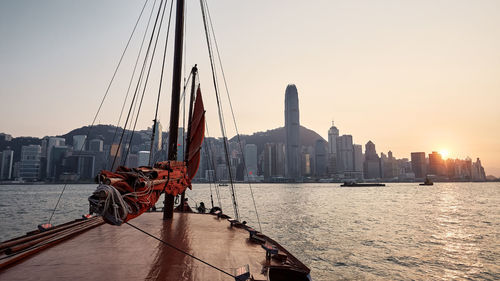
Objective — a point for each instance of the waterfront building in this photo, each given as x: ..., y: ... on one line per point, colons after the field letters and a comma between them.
x: 372, y: 165
x: 96, y: 145
x: 250, y: 161
x: 142, y: 158
x: 6, y: 164
x: 320, y: 155
x: 478, y: 173
x: 79, y: 142
x: 345, y: 154
x: 333, y: 134
x: 81, y: 164
x: 29, y: 169
x: 52, y: 142
x: 292, y: 127
x: 418, y: 164
x: 358, y: 157
x: 436, y: 164
x: 274, y: 161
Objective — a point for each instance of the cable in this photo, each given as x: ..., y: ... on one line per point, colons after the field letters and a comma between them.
x: 179, y: 250
x: 234, y: 119
x: 102, y: 101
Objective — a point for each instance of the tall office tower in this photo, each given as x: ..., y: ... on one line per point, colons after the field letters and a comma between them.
x: 251, y: 160
x: 371, y: 167
x: 358, y: 157
x: 436, y: 164
x: 320, y: 158
x: 345, y: 154
x: 6, y: 164
x: 157, y: 141
x: 333, y: 134
x: 29, y: 169
x: 180, y: 144
x: 292, y: 127
x: 96, y: 145
x: 478, y: 173
x: 79, y: 143
x: 51, y: 143
x: 418, y: 164
x: 143, y: 158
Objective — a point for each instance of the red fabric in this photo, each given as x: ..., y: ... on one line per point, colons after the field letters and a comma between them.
x: 128, y: 180
x: 197, y: 136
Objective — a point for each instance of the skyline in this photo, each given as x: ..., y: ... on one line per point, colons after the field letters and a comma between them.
x: 408, y: 76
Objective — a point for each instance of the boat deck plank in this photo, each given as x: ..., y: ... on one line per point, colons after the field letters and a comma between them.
x: 123, y: 253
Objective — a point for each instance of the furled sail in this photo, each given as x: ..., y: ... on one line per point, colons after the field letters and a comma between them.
x: 127, y: 193
x: 196, y: 137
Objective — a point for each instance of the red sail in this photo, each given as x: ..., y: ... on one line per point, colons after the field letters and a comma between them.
x: 197, y: 136
x: 127, y: 193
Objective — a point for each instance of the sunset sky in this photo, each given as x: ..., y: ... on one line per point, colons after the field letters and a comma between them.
x: 407, y: 75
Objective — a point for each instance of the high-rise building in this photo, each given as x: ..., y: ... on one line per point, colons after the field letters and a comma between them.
x: 418, y: 164
x: 51, y: 143
x: 79, y: 143
x: 372, y: 165
x: 251, y: 160
x: 333, y: 134
x: 358, y: 157
x: 29, y: 169
x: 320, y: 158
x: 292, y: 127
x: 96, y: 145
x: 6, y: 164
x: 345, y: 154
x: 274, y: 160
x: 478, y: 173
x: 436, y: 164
x: 142, y: 158
x: 157, y: 141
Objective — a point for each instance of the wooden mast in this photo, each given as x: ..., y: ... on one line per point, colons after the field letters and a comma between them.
x: 194, y: 71
x: 168, y: 207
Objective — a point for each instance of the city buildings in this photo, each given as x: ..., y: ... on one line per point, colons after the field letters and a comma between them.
x: 418, y: 164
x: 6, y: 164
x: 372, y: 167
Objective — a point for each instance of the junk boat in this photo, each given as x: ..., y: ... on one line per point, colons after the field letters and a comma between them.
x: 427, y: 182
x: 126, y: 240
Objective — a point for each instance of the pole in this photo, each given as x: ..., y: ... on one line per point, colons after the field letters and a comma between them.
x: 168, y: 207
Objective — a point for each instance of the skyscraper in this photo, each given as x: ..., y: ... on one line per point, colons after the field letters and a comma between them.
x: 30, y: 162
x: 372, y: 167
x: 333, y: 134
x: 418, y: 164
x: 6, y: 164
x: 79, y: 143
x: 358, y: 157
x: 345, y: 154
x: 320, y: 158
x: 292, y: 126
x: 251, y: 159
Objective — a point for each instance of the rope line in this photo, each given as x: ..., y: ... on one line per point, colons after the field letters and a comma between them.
x: 182, y: 251
x: 102, y: 102
x: 232, y: 113
x: 219, y: 109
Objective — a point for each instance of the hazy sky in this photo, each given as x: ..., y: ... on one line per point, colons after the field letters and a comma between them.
x: 408, y: 75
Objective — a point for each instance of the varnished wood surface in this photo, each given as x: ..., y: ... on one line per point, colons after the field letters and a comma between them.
x: 124, y: 253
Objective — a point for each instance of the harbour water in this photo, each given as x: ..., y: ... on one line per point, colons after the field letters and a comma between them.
x: 398, y: 232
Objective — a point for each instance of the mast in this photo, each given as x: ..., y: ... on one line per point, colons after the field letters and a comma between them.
x: 194, y: 71
x: 168, y: 207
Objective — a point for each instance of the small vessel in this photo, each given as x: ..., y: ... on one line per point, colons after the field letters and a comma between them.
x: 355, y: 184
x: 427, y: 182
x: 129, y: 240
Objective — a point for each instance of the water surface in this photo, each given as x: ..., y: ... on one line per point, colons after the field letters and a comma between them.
x: 398, y: 232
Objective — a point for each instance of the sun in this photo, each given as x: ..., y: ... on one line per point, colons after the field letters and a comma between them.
x: 444, y: 153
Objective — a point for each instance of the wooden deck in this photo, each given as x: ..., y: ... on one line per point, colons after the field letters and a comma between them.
x: 123, y: 253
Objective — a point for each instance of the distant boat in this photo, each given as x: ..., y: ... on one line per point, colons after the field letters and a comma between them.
x: 427, y: 182
x: 354, y: 184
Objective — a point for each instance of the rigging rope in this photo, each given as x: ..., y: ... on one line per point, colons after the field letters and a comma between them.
x: 219, y: 109
x: 234, y: 119
x: 137, y: 86
x: 159, y: 88
x: 102, y: 102
x: 146, y: 80
x: 131, y: 80
x: 182, y: 251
